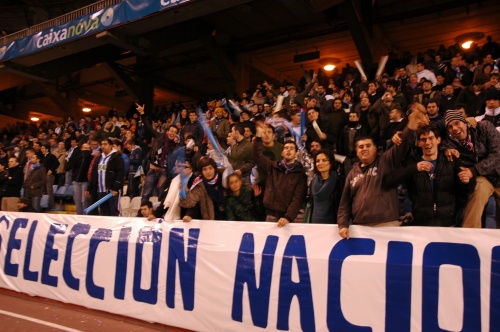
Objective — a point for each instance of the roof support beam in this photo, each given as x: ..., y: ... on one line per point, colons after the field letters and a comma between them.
x: 123, y: 79
x: 359, y: 31
x: 220, y: 58
x: 51, y: 92
x: 23, y: 71
x: 101, y: 100
x: 121, y: 41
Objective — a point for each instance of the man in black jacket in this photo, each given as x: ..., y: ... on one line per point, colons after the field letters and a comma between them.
x: 12, y: 185
x: 51, y: 164
x: 434, y: 187
x: 107, y: 177
x: 81, y: 160
x: 162, y: 147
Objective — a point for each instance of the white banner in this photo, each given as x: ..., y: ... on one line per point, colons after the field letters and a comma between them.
x: 250, y: 276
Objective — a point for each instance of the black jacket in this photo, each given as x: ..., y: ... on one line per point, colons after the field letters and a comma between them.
x: 437, y: 205
x: 81, y: 166
x: 14, y: 182
x: 115, y: 173
x: 50, y: 163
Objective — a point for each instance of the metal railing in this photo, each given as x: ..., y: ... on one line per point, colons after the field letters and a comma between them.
x: 58, y: 20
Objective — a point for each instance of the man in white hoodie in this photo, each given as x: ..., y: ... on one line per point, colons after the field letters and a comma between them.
x: 492, y: 110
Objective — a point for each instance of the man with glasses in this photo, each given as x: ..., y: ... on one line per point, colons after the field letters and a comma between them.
x: 169, y: 208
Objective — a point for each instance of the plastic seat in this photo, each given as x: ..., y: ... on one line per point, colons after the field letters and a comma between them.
x: 44, y: 201
x: 135, y: 205
x: 153, y: 199
x: 124, y: 206
x: 61, y: 191
x: 69, y: 192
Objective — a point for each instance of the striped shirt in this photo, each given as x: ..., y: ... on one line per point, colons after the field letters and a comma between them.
x: 101, y: 172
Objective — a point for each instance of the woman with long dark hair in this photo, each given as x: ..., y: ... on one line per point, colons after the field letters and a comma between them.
x: 323, y: 186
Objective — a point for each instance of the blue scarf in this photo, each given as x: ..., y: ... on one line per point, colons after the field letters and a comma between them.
x: 289, y: 167
x: 33, y: 166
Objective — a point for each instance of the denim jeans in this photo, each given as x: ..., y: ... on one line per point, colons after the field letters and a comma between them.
x: 68, y: 178
x: 133, y: 185
x: 35, y: 203
x: 110, y: 207
x: 151, y: 184
x: 50, y: 190
x: 81, y: 201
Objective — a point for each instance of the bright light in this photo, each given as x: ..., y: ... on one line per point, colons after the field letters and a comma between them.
x: 86, y: 109
x: 467, y: 44
x: 329, y: 67
x: 34, y: 119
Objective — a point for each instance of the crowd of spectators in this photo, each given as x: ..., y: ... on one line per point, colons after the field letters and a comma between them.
x: 334, y: 147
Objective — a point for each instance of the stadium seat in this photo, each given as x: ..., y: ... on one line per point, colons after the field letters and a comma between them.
x: 124, y: 206
x: 135, y: 205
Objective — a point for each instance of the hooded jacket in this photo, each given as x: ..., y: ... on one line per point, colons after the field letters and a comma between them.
x: 284, y: 193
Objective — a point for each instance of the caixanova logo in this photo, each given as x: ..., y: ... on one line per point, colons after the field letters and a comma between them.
x: 81, y: 28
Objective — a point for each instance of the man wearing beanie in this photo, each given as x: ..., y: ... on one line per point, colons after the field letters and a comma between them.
x: 492, y: 110
x: 479, y: 152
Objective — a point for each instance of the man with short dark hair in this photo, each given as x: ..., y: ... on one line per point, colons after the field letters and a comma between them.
x: 51, y: 163
x: 81, y: 160
x: 146, y: 209
x: 474, y: 97
x: 136, y: 160
x: 434, y: 186
x: 240, y: 156
x: 107, y: 177
x: 37, y: 147
x: 295, y: 97
x: 448, y: 99
x: 397, y: 96
x: 367, y: 180
x: 35, y: 182
x: 317, y: 127
x: 162, y: 148
x: 426, y: 93
x: 423, y: 72
x: 433, y: 110
x: 193, y: 127
x: 12, y: 185
x: 286, y: 183
x: 492, y: 109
